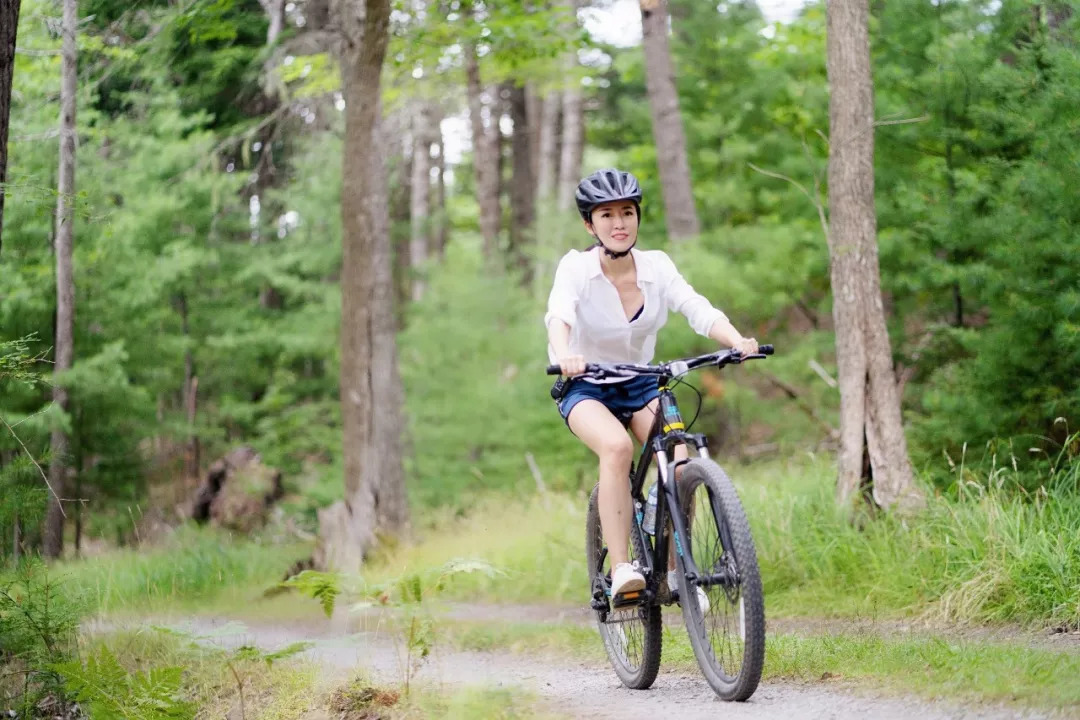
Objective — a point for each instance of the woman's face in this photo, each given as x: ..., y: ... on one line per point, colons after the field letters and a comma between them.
x: 615, y: 224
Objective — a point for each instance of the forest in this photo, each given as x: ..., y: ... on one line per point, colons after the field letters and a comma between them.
x: 273, y: 277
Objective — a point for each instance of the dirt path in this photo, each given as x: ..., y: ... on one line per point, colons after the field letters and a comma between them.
x: 573, y: 689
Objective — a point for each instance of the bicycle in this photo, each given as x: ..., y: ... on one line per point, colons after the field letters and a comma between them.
x: 716, y: 554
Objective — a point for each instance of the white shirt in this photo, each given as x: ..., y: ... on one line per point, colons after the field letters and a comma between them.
x: 584, y: 298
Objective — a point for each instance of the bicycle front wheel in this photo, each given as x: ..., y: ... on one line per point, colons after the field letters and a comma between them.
x: 631, y: 634
x: 726, y: 619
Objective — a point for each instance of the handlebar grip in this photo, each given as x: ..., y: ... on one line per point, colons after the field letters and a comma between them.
x: 765, y: 349
x: 554, y: 370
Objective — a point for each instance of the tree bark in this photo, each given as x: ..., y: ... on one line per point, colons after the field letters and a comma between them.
x: 9, y: 26
x: 53, y: 541
x: 189, y: 392
x: 522, y: 187
x: 546, y: 157
x: 370, y: 385
x: 869, y: 401
x: 442, y: 223
x: 486, y: 139
x: 275, y: 12
x: 420, y: 202
x: 573, y: 125
x: 668, y: 134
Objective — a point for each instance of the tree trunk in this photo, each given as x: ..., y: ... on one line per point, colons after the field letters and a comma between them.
x: 188, y: 393
x: 442, y: 222
x: 522, y: 187
x: 420, y: 203
x: 485, y: 137
x: 573, y: 126
x: 546, y: 158
x: 370, y: 386
x: 9, y: 26
x: 65, y: 282
x: 869, y: 402
x: 668, y: 134
x: 275, y: 12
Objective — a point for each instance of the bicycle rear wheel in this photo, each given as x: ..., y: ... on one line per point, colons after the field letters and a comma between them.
x: 631, y: 634
x: 729, y: 636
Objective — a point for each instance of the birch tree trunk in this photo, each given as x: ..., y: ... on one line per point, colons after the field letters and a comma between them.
x: 53, y: 537
x: 370, y: 386
x: 870, y: 417
x: 9, y: 25
x: 668, y: 134
x: 486, y: 140
x: 420, y: 199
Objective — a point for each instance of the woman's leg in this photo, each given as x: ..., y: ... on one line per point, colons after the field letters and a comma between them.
x: 640, y: 424
x: 605, y: 436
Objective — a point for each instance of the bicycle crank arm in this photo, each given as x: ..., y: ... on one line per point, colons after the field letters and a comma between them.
x: 721, y: 578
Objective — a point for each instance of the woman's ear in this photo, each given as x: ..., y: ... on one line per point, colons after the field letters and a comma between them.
x: 589, y: 228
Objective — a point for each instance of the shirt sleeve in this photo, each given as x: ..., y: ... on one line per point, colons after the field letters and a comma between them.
x: 681, y: 297
x: 563, y: 300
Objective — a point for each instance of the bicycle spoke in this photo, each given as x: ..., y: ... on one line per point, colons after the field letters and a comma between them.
x: 723, y: 623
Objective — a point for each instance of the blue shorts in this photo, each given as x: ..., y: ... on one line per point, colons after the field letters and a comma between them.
x: 623, y: 399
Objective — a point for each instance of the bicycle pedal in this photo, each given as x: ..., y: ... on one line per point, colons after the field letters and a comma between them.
x: 632, y: 597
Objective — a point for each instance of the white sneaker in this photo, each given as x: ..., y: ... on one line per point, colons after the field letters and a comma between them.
x: 673, y: 587
x: 626, y: 578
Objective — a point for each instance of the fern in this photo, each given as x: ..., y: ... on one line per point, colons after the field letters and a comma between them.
x: 107, y: 690
x: 322, y: 586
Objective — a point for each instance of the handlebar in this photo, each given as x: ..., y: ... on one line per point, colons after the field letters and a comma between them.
x: 674, y: 368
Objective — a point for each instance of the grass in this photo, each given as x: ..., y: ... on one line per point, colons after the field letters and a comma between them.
x: 972, y: 671
x: 197, y: 566
x: 986, y: 557
x: 271, y: 691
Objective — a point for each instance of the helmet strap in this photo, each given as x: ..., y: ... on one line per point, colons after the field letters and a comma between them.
x: 612, y: 253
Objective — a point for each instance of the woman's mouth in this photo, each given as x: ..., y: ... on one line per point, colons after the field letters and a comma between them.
x: 619, y: 236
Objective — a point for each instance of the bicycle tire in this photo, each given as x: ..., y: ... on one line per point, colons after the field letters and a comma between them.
x: 632, y: 636
x: 732, y: 666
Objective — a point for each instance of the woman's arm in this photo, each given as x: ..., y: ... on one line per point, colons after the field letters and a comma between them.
x: 559, y: 337
x: 724, y: 332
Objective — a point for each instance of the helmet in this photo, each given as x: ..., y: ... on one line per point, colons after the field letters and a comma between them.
x: 605, y: 186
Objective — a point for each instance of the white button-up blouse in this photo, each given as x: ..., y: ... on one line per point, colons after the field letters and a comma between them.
x: 584, y: 298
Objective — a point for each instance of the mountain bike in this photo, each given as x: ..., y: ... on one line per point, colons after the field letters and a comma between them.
x: 713, y: 551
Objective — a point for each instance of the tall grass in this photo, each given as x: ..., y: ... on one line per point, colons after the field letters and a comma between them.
x: 982, y: 555
x: 196, y: 565
x: 990, y: 553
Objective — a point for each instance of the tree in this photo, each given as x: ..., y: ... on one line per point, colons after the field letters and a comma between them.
x: 370, y: 385
x: 573, y: 126
x: 423, y: 128
x: 871, y: 428
x: 522, y: 185
x: 65, y: 281
x: 485, y: 136
x: 679, y: 212
x: 9, y: 25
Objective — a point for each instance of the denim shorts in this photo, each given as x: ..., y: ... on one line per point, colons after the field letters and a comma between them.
x: 623, y: 399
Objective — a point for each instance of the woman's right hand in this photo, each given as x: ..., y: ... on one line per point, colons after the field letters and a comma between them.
x: 572, y: 365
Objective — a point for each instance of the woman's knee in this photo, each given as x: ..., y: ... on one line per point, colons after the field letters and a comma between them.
x: 616, y: 448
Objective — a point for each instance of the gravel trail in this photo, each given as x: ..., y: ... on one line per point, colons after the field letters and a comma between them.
x: 573, y: 689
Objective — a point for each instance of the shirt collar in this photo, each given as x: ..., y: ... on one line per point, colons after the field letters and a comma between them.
x: 641, y: 262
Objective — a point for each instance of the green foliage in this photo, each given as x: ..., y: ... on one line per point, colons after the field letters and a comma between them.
x: 107, y: 690
x: 195, y: 565
x: 324, y: 587
x: 39, y: 618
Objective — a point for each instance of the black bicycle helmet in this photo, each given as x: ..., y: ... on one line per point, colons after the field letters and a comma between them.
x: 605, y: 186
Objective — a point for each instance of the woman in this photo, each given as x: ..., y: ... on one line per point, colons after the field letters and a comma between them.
x: 606, y: 306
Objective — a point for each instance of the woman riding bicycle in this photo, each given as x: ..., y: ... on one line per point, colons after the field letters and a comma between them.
x: 606, y: 306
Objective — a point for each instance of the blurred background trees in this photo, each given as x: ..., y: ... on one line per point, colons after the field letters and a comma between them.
x: 208, y: 267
